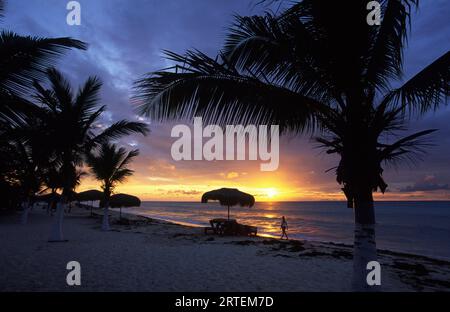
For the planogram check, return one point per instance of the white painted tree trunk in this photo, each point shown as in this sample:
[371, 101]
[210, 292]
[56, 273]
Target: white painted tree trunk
[56, 234]
[364, 251]
[105, 223]
[25, 212]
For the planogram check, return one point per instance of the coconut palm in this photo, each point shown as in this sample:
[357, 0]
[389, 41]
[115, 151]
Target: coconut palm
[74, 129]
[29, 176]
[24, 173]
[110, 167]
[26, 161]
[52, 180]
[316, 68]
[24, 59]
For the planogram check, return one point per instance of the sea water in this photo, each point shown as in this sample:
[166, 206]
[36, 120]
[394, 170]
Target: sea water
[414, 227]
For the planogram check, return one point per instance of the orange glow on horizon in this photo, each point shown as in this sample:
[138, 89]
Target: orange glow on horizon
[168, 182]
[277, 193]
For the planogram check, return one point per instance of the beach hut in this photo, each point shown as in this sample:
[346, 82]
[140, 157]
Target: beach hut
[229, 197]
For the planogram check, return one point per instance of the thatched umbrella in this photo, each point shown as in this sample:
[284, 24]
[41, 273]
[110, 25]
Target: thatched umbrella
[90, 195]
[229, 197]
[123, 200]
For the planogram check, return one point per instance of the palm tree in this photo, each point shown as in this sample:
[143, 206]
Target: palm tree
[24, 59]
[24, 173]
[29, 171]
[110, 167]
[316, 68]
[52, 180]
[73, 130]
[23, 139]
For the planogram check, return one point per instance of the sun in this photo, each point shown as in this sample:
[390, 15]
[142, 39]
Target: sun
[271, 193]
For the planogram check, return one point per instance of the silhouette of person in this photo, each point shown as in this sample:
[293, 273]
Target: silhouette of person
[284, 227]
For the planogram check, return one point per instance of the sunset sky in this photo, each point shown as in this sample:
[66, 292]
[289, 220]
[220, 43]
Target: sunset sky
[125, 41]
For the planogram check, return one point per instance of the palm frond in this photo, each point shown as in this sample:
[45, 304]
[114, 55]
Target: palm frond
[341, 59]
[24, 59]
[409, 148]
[121, 175]
[45, 97]
[204, 87]
[386, 120]
[119, 129]
[427, 90]
[333, 145]
[14, 109]
[61, 89]
[90, 120]
[128, 158]
[109, 164]
[388, 42]
[280, 50]
[88, 97]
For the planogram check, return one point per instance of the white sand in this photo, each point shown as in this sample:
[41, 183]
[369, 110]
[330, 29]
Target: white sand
[166, 257]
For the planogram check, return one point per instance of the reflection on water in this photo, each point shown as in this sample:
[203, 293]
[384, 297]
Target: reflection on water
[417, 227]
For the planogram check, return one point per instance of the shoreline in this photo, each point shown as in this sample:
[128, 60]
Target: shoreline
[333, 243]
[419, 228]
[145, 254]
[294, 241]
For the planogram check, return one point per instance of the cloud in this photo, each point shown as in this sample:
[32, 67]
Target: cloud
[184, 192]
[159, 179]
[232, 175]
[428, 184]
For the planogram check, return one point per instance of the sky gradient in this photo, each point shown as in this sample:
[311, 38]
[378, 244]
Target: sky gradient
[125, 41]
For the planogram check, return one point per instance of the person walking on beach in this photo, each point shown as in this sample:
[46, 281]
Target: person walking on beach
[284, 228]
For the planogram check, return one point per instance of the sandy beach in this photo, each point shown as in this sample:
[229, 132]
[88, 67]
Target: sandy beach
[151, 255]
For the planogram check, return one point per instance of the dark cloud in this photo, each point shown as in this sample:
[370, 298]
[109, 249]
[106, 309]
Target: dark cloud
[425, 187]
[428, 184]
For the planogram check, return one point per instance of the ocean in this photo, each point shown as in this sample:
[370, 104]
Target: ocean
[421, 228]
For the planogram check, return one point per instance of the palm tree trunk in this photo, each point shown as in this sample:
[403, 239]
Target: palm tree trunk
[56, 234]
[50, 202]
[25, 212]
[364, 249]
[105, 223]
